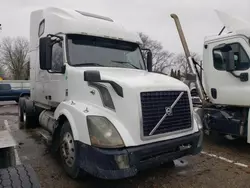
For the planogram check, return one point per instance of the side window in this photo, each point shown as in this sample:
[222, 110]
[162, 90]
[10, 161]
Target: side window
[57, 57]
[241, 59]
[41, 28]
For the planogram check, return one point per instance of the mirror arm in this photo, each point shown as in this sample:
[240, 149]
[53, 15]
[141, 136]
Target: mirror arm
[63, 70]
[56, 36]
[54, 41]
[146, 49]
[235, 75]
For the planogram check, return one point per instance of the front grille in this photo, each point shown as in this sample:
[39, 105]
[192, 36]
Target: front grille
[153, 109]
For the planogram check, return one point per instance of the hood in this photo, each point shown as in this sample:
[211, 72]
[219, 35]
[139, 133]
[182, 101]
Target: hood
[127, 115]
[132, 78]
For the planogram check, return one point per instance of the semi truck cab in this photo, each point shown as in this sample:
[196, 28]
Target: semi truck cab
[108, 114]
[223, 83]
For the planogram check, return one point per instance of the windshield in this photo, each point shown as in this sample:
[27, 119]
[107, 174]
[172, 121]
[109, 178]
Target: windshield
[96, 51]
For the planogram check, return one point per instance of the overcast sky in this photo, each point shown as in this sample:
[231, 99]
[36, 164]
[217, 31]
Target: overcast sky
[149, 16]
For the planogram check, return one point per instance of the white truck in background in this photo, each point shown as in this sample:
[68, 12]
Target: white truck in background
[223, 86]
[107, 113]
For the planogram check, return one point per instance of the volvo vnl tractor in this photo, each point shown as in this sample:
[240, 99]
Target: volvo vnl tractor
[107, 113]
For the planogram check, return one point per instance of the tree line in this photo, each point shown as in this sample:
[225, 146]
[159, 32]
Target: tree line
[14, 58]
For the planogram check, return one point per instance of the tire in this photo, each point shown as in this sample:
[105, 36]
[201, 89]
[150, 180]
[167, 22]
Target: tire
[30, 118]
[20, 112]
[70, 166]
[19, 176]
[25, 96]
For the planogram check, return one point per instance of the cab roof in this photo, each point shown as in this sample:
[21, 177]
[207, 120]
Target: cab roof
[61, 20]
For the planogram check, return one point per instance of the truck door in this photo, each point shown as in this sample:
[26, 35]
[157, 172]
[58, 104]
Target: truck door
[225, 87]
[55, 88]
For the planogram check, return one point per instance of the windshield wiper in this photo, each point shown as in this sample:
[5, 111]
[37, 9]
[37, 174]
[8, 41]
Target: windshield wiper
[125, 62]
[89, 64]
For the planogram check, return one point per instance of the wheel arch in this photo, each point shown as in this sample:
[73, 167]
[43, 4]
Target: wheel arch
[65, 115]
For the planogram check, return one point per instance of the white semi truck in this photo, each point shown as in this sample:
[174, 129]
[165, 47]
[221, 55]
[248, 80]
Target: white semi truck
[107, 113]
[223, 86]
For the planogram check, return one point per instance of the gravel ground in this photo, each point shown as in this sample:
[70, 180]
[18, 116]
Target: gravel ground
[199, 171]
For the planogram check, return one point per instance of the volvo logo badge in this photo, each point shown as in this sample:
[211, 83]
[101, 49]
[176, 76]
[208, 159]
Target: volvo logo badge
[168, 112]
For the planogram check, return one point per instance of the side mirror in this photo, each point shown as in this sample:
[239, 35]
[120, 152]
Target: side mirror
[45, 53]
[92, 76]
[149, 61]
[230, 65]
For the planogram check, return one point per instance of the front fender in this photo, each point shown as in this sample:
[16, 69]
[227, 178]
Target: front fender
[77, 119]
[76, 113]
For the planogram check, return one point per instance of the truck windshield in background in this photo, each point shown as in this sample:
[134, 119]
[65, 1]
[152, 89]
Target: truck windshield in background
[96, 51]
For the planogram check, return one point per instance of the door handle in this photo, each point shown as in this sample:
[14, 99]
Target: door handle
[48, 97]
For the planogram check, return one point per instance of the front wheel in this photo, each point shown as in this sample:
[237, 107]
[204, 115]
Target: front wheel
[68, 152]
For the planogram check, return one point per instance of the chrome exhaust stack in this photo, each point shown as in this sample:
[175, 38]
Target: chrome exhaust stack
[189, 58]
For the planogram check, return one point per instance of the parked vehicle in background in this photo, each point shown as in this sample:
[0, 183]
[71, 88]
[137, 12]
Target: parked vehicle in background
[105, 111]
[12, 90]
[223, 87]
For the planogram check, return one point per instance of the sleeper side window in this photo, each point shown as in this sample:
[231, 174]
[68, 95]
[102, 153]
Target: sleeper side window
[41, 28]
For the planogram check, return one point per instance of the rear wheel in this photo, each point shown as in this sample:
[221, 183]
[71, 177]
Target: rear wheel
[22, 96]
[20, 112]
[68, 152]
[29, 115]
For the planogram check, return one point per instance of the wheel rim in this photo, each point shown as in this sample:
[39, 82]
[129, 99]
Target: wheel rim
[68, 149]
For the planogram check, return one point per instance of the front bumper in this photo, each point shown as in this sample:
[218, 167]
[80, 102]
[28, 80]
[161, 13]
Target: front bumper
[102, 163]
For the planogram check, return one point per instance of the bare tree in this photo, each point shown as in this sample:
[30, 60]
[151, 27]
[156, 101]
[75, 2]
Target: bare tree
[162, 59]
[14, 56]
[181, 64]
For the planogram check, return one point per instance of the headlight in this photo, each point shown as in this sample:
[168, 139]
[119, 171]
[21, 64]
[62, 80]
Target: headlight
[197, 119]
[103, 133]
